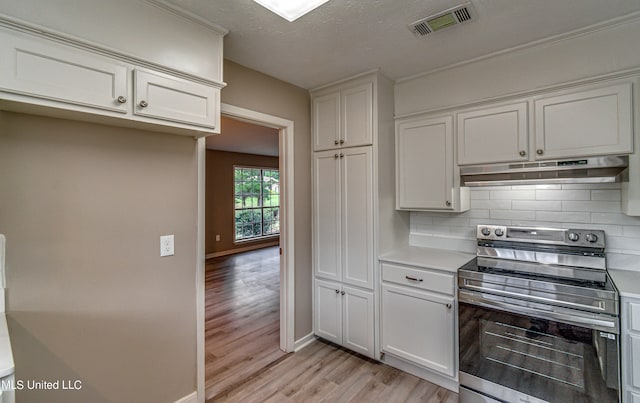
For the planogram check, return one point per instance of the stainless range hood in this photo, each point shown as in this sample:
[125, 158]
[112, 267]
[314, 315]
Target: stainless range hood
[583, 170]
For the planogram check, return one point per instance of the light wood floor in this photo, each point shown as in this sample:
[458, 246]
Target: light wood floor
[243, 360]
[242, 322]
[323, 372]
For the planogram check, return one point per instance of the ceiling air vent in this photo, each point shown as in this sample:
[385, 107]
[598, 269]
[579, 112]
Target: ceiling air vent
[448, 18]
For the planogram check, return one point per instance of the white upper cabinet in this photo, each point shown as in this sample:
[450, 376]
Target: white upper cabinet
[59, 72]
[425, 167]
[161, 96]
[592, 121]
[343, 117]
[326, 121]
[53, 75]
[493, 134]
[357, 115]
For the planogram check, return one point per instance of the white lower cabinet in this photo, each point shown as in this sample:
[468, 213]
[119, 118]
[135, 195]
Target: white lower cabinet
[419, 326]
[418, 317]
[630, 345]
[344, 315]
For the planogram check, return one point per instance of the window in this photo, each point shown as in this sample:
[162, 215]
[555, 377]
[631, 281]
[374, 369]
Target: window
[257, 202]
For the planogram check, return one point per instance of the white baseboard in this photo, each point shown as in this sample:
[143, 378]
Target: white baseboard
[190, 398]
[243, 249]
[303, 342]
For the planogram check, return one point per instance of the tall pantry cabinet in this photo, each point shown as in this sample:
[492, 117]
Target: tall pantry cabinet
[353, 196]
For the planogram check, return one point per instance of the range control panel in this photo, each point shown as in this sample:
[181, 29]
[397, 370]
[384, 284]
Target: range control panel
[570, 237]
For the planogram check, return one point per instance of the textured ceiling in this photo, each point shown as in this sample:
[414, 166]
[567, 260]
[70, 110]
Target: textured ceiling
[346, 37]
[242, 137]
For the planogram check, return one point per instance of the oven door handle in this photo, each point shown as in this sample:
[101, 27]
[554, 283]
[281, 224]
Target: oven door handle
[515, 306]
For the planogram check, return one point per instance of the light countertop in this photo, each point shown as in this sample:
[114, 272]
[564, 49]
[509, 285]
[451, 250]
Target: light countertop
[627, 282]
[428, 258]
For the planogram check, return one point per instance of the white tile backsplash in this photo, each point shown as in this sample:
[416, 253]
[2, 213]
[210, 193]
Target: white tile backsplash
[594, 206]
[581, 194]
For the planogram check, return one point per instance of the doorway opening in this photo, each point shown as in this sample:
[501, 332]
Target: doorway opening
[250, 251]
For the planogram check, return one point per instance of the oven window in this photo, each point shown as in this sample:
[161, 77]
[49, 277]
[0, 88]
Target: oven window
[549, 360]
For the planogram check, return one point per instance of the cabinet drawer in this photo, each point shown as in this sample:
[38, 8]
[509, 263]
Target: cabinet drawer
[424, 279]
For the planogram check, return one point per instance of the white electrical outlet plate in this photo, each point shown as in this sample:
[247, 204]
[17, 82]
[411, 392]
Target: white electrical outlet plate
[166, 245]
[217, 238]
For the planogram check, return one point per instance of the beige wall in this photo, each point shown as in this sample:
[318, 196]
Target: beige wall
[220, 198]
[255, 91]
[89, 298]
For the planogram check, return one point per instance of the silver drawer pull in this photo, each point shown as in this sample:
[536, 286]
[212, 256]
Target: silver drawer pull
[413, 278]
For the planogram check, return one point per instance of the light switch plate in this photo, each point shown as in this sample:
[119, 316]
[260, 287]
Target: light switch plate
[166, 245]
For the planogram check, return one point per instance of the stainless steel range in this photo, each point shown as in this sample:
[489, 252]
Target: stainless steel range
[538, 318]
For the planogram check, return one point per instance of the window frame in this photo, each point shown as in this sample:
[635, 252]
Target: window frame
[261, 208]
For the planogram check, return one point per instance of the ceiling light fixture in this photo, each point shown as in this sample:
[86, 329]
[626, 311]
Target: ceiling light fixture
[291, 10]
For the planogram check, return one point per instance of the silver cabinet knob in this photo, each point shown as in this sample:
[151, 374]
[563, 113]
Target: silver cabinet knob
[122, 99]
[335, 156]
[341, 155]
[143, 104]
[539, 151]
[342, 293]
[448, 306]
[341, 141]
[523, 153]
[335, 142]
[337, 291]
[448, 203]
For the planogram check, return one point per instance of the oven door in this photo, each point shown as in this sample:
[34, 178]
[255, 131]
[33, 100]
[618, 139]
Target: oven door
[517, 351]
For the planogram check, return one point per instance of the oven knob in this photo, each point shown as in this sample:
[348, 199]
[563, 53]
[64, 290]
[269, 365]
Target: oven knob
[486, 231]
[573, 236]
[498, 232]
[591, 238]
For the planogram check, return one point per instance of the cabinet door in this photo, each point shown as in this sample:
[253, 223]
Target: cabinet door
[424, 164]
[634, 361]
[593, 122]
[419, 327]
[326, 121]
[170, 98]
[357, 320]
[357, 216]
[327, 215]
[328, 311]
[497, 134]
[357, 115]
[57, 72]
